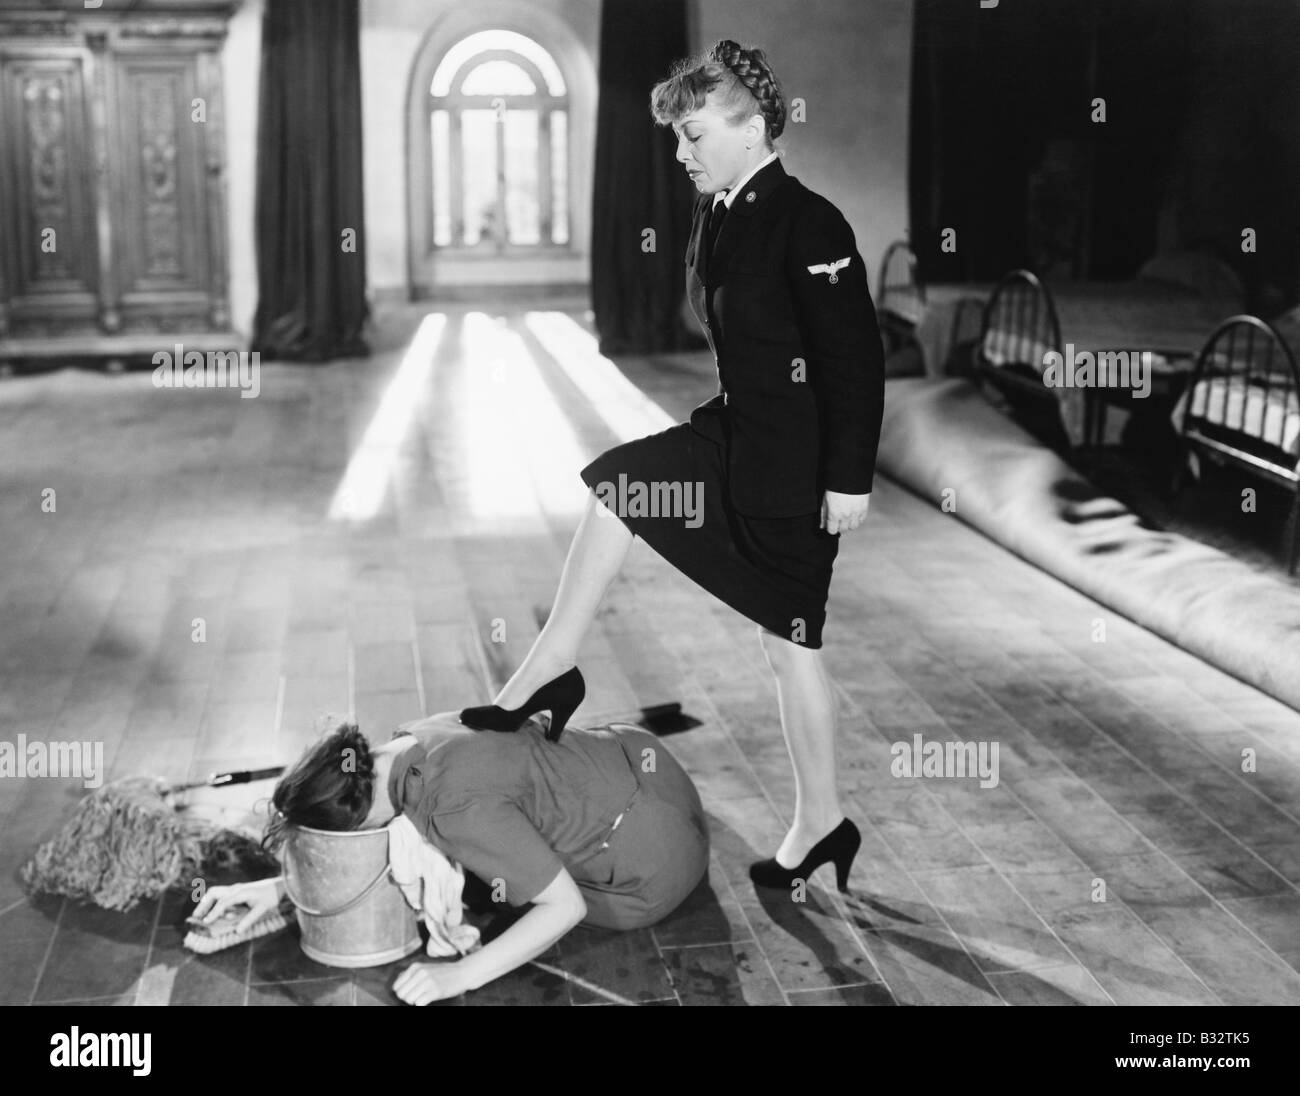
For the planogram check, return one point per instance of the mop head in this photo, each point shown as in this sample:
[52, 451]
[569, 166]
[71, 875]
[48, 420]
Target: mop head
[126, 842]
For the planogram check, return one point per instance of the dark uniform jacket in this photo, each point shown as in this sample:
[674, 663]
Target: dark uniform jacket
[784, 303]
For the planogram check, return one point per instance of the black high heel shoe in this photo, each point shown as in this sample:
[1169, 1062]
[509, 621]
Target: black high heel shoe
[560, 696]
[840, 846]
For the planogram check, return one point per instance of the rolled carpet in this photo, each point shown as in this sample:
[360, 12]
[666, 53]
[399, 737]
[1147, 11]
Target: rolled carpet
[941, 434]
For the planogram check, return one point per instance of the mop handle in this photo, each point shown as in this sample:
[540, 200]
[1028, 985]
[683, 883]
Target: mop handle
[591, 987]
[220, 780]
[217, 780]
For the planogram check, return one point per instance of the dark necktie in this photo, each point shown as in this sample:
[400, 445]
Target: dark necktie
[717, 215]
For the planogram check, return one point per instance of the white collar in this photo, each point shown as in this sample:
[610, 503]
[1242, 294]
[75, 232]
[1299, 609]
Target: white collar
[729, 196]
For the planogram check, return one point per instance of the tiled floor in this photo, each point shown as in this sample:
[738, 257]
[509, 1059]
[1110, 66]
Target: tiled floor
[1124, 856]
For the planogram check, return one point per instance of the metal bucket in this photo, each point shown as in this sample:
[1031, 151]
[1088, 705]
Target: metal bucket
[350, 911]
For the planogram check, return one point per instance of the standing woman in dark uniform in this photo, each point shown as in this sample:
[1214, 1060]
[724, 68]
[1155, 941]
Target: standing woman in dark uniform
[784, 454]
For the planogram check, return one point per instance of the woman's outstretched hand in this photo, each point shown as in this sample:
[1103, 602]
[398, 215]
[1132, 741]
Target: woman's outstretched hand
[843, 512]
[422, 983]
[261, 897]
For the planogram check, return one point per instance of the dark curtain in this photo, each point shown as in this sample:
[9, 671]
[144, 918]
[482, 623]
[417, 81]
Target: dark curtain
[311, 288]
[636, 293]
[1003, 148]
[1241, 150]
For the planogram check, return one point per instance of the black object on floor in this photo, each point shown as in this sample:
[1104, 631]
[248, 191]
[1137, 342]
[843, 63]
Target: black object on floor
[666, 719]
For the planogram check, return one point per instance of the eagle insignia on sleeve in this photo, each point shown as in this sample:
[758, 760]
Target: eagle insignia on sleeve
[831, 268]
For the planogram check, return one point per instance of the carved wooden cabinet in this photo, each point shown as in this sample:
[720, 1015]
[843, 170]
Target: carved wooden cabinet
[112, 206]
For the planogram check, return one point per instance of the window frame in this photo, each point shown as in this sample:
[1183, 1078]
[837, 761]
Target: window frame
[454, 103]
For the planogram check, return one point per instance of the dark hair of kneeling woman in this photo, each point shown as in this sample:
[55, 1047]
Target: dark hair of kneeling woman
[331, 787]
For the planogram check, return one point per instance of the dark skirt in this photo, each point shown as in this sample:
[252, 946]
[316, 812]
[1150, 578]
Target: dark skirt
[775, 571]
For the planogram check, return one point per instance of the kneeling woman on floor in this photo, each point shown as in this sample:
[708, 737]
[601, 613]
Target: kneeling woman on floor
[603, 827]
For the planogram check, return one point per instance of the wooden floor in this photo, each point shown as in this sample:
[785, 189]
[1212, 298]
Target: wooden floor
[1120, 760]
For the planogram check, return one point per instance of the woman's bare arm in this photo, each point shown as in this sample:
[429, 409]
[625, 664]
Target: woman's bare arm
[555, 911]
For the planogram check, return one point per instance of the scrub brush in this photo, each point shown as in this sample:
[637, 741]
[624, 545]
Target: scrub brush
[205, 938]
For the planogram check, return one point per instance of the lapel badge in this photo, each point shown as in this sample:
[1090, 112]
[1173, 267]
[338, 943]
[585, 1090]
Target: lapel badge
[750, 196]
[832, 268]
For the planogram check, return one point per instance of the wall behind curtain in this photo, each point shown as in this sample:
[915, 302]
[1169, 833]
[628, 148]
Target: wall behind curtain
[991, 89]
[850, 63]
[1239, 159]
[398, 40]
[849, 59]
[640, 191]
[239, 64]
[1199, 142]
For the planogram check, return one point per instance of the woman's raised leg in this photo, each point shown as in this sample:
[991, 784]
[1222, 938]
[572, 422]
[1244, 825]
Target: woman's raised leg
[808, 723]
[595, 556]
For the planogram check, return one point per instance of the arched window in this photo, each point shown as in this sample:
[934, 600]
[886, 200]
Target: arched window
[499, 129]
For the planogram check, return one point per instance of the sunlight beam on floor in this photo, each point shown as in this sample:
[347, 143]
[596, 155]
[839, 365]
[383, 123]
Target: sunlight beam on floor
[521, 450]
[360, 493]
[628, 411]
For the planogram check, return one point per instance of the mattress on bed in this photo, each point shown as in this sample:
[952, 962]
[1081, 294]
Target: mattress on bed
[1270, 415]
[1002, 346]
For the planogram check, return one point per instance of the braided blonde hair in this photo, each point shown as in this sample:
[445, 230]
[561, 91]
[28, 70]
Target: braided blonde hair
[744, 80]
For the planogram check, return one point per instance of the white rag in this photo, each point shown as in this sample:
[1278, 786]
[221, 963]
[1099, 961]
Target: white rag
[432, 885]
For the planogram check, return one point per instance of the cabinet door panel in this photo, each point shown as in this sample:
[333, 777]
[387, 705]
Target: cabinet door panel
[46, 193]
[160, 229]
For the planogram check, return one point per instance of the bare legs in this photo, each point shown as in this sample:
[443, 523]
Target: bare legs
[803, 688]
[808, 723]
[596, 555]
